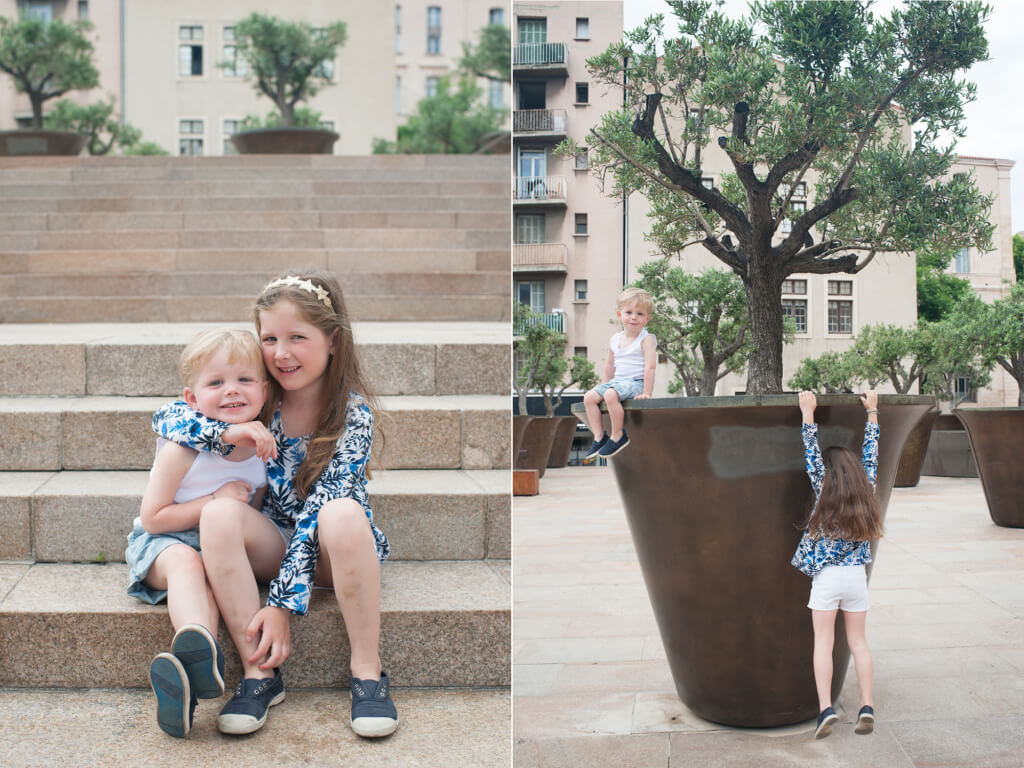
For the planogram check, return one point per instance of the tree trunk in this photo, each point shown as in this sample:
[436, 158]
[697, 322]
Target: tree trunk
[287, 115]
[36, 100]
[763, 282]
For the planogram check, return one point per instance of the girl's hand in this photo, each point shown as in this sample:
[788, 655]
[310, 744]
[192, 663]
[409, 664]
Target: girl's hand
[236, 489]
[252, 433]
[808, 402]
[271, 623]
[870, 399]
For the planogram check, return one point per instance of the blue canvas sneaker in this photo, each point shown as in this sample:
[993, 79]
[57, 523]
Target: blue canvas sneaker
[597, 446]
[200, 655]
[826, 720]
[614, 446]
[175, 704]
[373, 713]
[865, 720]
[246, 711]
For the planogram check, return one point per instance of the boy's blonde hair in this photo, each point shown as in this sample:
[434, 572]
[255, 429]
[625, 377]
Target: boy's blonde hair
[239, 343]
[637, 296]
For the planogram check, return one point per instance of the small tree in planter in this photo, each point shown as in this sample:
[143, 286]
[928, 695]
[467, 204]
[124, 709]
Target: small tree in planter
[891, 352]
[958, 368]
[700, 322]
[999, 328]
[830, 372]
[542, 365]
[101, 127]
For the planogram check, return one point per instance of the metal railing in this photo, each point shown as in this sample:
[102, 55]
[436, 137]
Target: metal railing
[540, 188]
[540, 55]
[540, 255]
[553, 320]
[537, 120]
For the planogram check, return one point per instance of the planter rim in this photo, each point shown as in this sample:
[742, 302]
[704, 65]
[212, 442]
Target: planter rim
[991, 409]
[739, 401]
[281, 128]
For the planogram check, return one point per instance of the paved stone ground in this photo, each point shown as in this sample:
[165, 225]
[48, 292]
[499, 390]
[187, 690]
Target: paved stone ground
[946, 628]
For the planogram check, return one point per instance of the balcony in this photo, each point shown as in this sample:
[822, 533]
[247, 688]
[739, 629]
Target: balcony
[541, 59]
[540, 257]
[552, 320]
[540, 123]
[539, 191]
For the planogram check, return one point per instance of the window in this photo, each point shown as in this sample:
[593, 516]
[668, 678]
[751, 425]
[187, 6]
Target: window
[840, 288]
[581, 224]
[530, 228]
[434, 29]
[234, 65]
[532, 95]
[432, 82]
[398, 95]
[840, 317]
[41, 11]
[798, 287]
[230, 128]
[707, 182]
[190, 51]
[963, 261]
[962, 390]
[582, 93]
[398, 29]
[327, 125]
[582, 28]
[190, 141]
[496, 94]
[83, 10]
[797, 208]
[799, 192]
[496, 16]
[796, 310]
[531, 294]
[533, 31]
[580, 291]
[581, 351]
[583, 159]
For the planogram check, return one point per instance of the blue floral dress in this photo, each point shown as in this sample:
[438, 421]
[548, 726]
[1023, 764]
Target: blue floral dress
[813, 554]
[344, 477]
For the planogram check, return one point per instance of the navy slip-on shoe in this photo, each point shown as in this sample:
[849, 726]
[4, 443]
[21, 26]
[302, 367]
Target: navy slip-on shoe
[826, 720]
[373, 712]
[246, 711]
[612, 447]
[175, 704]
[596, 446]
[200, 655]
[865, 720]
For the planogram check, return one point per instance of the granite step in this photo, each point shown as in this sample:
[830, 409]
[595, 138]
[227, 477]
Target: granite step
[442, 624]
[141, 359]
[114, 432]
[477, 186]
[261, 161]
[79, 517]
[439, 727]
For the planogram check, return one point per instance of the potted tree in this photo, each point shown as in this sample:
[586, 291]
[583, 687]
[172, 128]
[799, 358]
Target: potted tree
[799, 93]
[289, 62]
[46, 60]
[101, 128]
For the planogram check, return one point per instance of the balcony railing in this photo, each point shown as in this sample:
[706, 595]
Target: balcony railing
[539, 188]
[540, 55]
[540, 257]
[553, 320]
[539, 121]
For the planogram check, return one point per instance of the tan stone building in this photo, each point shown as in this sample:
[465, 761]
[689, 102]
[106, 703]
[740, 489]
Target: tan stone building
[160, 62]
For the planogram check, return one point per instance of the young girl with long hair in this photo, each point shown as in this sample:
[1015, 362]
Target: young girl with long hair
[833, 551]
[316, 526]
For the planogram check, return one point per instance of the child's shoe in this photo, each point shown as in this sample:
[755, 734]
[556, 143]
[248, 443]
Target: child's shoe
[175, 704]
[246, 711]
[373, 712]
[614, 446]
[826, 720]
[200, 655]
[865, 720]
[597, 446]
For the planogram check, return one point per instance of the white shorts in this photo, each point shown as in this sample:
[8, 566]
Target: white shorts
[839, 586]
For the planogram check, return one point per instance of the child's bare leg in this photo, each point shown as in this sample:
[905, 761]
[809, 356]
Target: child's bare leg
[239, 545]
[179, 569]
[857, 640]
[592, 405]
[824, 638]
[349, 563]
[615, 413]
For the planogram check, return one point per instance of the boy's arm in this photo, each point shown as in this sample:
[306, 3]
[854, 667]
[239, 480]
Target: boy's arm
[649, 346]
[159, 513]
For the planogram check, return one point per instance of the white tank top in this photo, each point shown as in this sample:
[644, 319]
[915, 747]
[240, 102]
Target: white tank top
[210, 471]
[629, 362]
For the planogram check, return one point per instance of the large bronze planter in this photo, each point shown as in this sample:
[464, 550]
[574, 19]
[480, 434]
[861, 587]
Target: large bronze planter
[30, 141]
[285, 141]
[518, 431]
[908, 473]
[997, 439]
[537, 440]
[949, 451]
[561, 446]
[716, 494]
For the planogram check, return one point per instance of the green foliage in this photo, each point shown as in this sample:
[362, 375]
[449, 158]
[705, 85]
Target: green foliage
[46, 59]
[98, 123]
[891, 352]
[700, 322]
[999, 329]
[1018, 256]
[938, 292]
[541, 364]
[829, 372]
[958, 352]
[302, 117]
[796, 92]
[491, 56]
[446, 123]
[287, 61]
[145, 148]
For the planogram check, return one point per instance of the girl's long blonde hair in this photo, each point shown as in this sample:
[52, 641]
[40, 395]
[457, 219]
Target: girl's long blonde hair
[847, 506]
[343, 374]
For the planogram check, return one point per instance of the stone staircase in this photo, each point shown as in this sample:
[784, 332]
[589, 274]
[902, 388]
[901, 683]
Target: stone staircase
[125, 261]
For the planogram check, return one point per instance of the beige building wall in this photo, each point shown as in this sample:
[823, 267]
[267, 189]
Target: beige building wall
[580, 262]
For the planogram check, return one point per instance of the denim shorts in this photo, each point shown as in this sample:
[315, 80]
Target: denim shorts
[627, 388]
[143, 549]
[839, 586]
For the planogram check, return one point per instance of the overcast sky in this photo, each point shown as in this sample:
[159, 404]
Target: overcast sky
[995, 121]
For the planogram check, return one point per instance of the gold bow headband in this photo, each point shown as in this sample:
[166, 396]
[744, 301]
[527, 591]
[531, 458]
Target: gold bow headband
[306, 285]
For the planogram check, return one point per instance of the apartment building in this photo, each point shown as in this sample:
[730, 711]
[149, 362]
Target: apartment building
[161, 63]
[569, 248]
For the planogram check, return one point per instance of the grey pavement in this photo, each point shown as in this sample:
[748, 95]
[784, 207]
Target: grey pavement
[946, 629]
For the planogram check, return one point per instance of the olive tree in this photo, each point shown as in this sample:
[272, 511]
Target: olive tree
[541, 364]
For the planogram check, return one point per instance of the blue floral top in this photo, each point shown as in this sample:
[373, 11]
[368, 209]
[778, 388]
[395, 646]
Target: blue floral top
[813, 554]
[344, 477]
